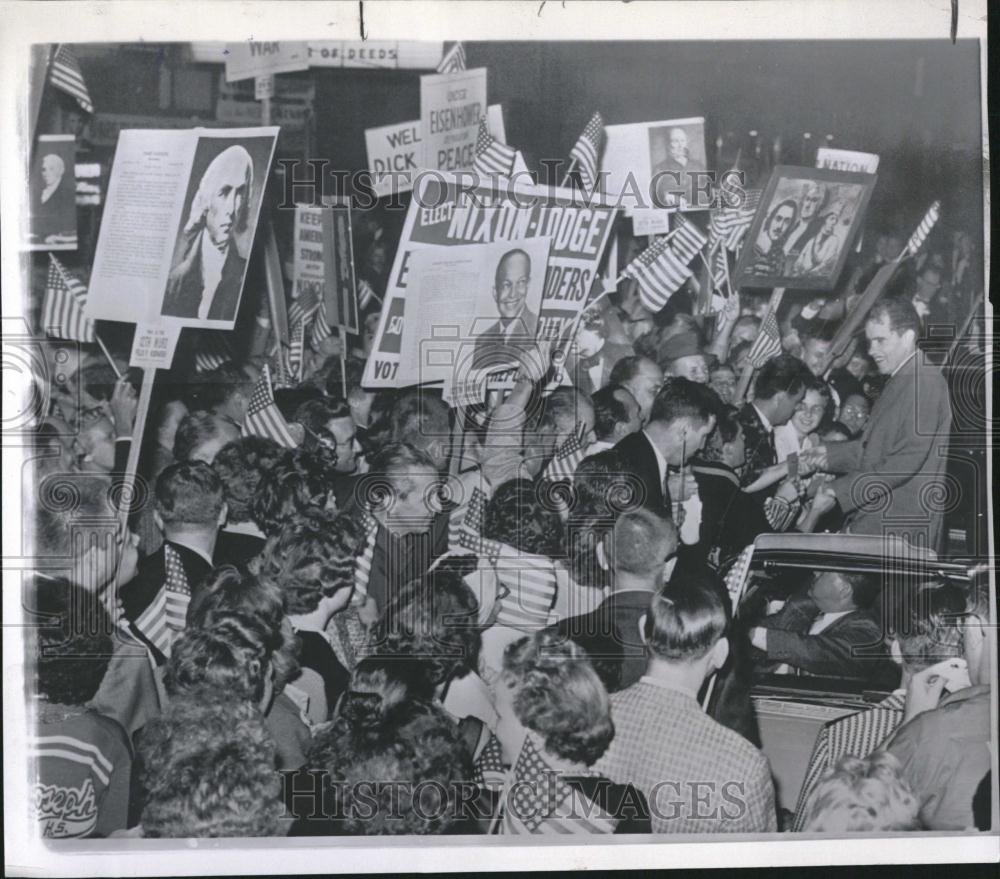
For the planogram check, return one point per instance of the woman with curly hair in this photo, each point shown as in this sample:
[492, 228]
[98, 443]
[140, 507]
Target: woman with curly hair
[311, 562]
[555, 723]
[209, 771]
[393, 762]
[297, 484]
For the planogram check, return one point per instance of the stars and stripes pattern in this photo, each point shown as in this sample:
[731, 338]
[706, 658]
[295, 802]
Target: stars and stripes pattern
[922, 231]
[531, 588]
[687, 239]
[488, 770]
[658, 272]
[492, 157]
[63, 306]
[565, 461]
[767, 344]
[737, 575]
[321, 328]
[263, 416]
[296, 350]
[214, 351]
[65, 74]
[166, 617]
[303, 307]
[586, 151]
[729, 224]
[453, 60]
[719, 265]
[363, 565]
[366, 295]
[540, 802]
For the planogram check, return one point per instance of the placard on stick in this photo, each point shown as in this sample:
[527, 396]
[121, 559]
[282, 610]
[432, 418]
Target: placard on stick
[338, 261]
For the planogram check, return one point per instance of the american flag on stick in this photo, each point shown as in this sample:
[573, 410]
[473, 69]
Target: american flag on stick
[304, 307]
[263, 416]
[366, 295]
[492, 157]
[658, 272]
[65, 74]
[321, 328]
[767, 344]
[212, 352]
[565, 461]
[63, 306]
[166, 617]
[729, 224]
[586, 152]
[687, 239]
[453, 60]
[296, 349]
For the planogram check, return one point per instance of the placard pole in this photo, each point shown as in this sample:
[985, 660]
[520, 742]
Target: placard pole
[132, 466]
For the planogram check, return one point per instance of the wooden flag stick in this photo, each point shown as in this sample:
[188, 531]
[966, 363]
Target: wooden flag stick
[748, 370]
[343, 362]
[110, 359]
[128, 492]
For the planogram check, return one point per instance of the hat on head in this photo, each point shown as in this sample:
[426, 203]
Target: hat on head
[681, 345]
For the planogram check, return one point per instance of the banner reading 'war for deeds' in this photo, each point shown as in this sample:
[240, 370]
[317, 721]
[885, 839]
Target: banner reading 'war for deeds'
[448, 211]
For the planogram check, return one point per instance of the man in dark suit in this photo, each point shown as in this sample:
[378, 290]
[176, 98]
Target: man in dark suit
[829, 630]
[500, 342]
[639, 547]
[207, 274]
[189, 510]
[779, 388]
[683, 415]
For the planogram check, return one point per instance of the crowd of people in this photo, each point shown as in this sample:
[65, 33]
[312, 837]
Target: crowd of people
[504, 619]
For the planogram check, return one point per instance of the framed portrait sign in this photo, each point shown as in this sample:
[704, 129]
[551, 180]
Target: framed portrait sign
[803, 228]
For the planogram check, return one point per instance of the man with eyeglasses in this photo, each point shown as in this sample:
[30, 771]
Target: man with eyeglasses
[499, 342]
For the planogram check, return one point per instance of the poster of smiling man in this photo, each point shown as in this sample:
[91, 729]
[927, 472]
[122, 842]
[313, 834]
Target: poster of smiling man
[803, 228]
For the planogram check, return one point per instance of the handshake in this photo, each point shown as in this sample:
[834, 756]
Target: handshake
[813, 460]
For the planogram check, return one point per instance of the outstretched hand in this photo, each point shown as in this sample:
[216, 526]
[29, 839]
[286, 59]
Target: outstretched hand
[124, 403]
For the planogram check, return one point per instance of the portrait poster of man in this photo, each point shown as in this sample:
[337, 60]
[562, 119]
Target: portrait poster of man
[219, 219]
[180, 217]
[52, 181]
[655, 166]
[803, 228]
[476, 307]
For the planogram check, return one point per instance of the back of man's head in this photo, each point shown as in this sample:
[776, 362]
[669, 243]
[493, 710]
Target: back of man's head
[421, 419]
[189, 494]
[782, 373]
[642, 543]
[564, 408]
[864, 588]
[681, 398]
[611, 408]
[685, 621]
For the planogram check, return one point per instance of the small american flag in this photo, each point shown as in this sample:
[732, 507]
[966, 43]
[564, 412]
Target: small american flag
[263, 416]
[736, 577]
[720, 267]
[303, 308]
[767, 344]
[492, 157]
[366, 295]
[166, 616]
[321, 328]
[363, 565]
[531, 583]
[659, 273]
[565, 461]
[729, 224]
[686, 240]
[62, 309]
[212, 353]
[489, 770]
[586, 151]
[65, 75]
[923, 230]
[453, 60]
[540, 802]
[296, 352]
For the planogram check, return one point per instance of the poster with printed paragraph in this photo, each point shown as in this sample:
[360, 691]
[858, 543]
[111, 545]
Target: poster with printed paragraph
[180, 220]
[451, 105]
[445, 212]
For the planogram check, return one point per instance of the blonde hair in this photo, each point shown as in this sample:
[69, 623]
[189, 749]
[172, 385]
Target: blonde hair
[862, 796]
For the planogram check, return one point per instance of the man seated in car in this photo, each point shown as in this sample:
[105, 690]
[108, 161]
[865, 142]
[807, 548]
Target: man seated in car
[829, 630]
